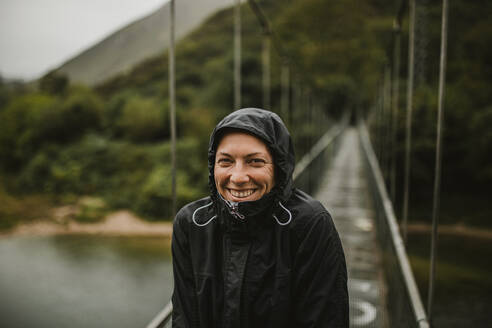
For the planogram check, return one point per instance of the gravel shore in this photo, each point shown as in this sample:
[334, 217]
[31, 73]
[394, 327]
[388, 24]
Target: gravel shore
[120, 223]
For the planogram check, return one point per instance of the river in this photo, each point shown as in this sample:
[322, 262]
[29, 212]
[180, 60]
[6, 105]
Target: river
[463, 281]
[83, 281]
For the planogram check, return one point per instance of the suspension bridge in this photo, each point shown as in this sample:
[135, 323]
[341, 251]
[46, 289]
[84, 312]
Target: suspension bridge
[382, 290]
[350, 177]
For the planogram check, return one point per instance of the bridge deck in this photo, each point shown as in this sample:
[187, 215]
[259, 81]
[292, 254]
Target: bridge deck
[344, 191]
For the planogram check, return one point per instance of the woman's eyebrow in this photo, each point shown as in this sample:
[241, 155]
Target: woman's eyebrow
[255, 154]
[258, 153]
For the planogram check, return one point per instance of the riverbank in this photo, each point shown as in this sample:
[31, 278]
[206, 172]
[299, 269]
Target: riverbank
[119, 223]
[452, 230]
[125, 223]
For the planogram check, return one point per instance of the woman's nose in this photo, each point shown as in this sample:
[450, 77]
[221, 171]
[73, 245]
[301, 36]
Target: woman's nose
[239, 175]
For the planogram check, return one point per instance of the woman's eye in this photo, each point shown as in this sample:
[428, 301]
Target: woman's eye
[256, 162]
[224, 161]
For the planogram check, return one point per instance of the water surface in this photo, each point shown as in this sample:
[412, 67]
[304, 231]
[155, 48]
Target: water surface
[463, 280]
[83, 281]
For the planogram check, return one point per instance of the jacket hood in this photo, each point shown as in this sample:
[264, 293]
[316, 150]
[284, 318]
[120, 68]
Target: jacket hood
[268, 127]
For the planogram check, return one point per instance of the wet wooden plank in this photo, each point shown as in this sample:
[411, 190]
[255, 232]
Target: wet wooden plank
[344, 192]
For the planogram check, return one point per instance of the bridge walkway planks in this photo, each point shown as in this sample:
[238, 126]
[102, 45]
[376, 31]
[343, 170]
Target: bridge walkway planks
[344, 192]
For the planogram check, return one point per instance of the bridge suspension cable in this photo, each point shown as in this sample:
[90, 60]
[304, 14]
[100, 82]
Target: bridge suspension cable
[285, 95]
[302, 96]
[237, 55]
[408, 130]
[387, 107]
[172, 103]
[437, 174]
[266, 71]
[395, 99]
[408, 140]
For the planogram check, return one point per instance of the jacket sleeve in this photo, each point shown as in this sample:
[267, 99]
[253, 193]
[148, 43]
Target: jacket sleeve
[320, 276]
[183, 299]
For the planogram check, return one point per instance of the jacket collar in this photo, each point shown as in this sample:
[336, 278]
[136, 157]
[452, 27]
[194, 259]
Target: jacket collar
[247, 215]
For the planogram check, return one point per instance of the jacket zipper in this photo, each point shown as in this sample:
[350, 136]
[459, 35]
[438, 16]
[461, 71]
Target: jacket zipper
[235, 210]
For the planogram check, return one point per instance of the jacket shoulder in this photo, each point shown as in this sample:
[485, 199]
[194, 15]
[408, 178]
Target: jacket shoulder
[307, 212]
[305, 205]
[185, 214]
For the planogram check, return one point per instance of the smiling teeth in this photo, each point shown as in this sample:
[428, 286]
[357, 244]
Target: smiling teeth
[242, 194]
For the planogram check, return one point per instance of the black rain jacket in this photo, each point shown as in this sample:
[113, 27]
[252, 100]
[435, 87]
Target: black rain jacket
[273, 262]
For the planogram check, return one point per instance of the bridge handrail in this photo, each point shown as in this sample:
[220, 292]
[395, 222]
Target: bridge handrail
[320, 146]
[420, 317]
[164, 317]
[316, 159]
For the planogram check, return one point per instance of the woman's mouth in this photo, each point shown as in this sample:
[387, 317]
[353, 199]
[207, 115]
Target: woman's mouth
[242, 193]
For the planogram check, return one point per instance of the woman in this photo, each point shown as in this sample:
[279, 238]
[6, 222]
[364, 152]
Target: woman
[257, 252]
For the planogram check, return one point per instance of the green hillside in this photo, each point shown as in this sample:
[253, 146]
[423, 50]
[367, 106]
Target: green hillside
[111, 141]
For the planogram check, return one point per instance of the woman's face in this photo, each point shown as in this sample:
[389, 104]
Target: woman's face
[243, 168]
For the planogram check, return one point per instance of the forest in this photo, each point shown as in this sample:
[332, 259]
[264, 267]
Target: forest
[61, 141]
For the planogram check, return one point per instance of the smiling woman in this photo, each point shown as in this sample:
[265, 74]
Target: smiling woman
[257, 252]
[243, 167]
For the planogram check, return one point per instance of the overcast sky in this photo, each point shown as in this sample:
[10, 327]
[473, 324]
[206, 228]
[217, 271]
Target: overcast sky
[38, 35]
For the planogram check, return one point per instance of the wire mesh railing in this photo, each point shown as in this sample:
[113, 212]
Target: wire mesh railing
[308, 171]
[405, 307]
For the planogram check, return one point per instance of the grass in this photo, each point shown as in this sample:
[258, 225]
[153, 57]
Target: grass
[91, 210]
[14, 210]
[18, 209]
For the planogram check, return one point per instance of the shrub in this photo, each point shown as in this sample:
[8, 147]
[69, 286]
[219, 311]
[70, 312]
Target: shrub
[54, 83]
[143, 120]
[22, 209]
[34, 120]
[22, 128]
[92, 210]
[155, 196]
[80, 112]
[126, 175]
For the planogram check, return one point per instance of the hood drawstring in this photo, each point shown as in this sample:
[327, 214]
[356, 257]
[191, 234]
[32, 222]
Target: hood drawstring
[234, 208]
[234, 211]
[209, 220]
[288, 212]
